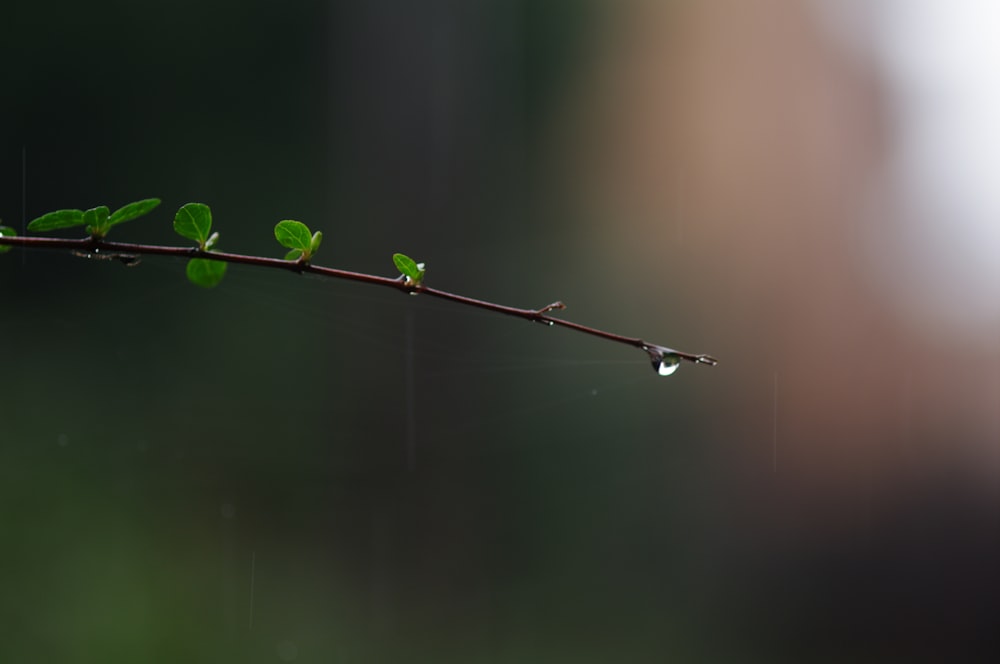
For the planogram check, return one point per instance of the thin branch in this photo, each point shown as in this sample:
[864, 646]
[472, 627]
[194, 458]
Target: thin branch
[128, 253]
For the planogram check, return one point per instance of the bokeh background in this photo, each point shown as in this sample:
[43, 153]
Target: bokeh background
[292, 469]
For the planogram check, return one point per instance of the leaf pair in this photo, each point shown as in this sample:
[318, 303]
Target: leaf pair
[194, 221]
[412, 271]
[98, 220]
[296, 236]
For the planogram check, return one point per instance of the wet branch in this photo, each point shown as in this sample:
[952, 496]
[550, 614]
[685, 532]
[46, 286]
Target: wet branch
[663, 358]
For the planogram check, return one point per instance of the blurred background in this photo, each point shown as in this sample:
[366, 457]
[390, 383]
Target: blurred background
[293, 469]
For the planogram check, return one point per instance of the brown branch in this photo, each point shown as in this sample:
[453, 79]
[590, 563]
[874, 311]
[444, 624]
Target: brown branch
[127, 253]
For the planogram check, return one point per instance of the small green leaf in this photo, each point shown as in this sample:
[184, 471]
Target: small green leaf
[96, 220]
[205, 273]
[133, 211]
[212, 240]
[317, 238]
[6, 231]
[293, 234]
[294, 255]
[56, 220]
[413, 271]
[194, 221]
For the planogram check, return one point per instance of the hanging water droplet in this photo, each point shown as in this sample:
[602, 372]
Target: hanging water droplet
[664, 362]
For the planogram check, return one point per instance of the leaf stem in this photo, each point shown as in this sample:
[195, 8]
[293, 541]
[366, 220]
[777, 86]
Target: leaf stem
[119, 249]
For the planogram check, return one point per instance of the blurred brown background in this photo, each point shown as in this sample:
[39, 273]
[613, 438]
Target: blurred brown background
[286, 469]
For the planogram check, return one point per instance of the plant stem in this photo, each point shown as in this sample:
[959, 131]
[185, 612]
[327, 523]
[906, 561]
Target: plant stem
[126, 251]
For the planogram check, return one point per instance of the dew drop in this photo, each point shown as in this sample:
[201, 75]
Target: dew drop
[665, 364]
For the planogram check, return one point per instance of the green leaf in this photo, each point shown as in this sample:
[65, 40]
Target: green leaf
[56, 220]
[293, 234]
[6, 231]
[133, 211]
[413, 271]
[96, 220]
[194, 221]
[317, 238]
[293, 255]
[205, 273]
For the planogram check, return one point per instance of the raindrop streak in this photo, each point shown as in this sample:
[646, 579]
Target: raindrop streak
[253, 565]
[409, 375]
[665, 364]
[774, 431]
[905, 408]
[287, 651]
[24, 198]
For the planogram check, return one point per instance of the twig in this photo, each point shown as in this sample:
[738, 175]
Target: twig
[127, 253]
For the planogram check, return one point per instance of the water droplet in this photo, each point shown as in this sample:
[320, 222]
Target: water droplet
[664, 364]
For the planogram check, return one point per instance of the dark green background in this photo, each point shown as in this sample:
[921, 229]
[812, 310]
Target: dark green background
[159, 442]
